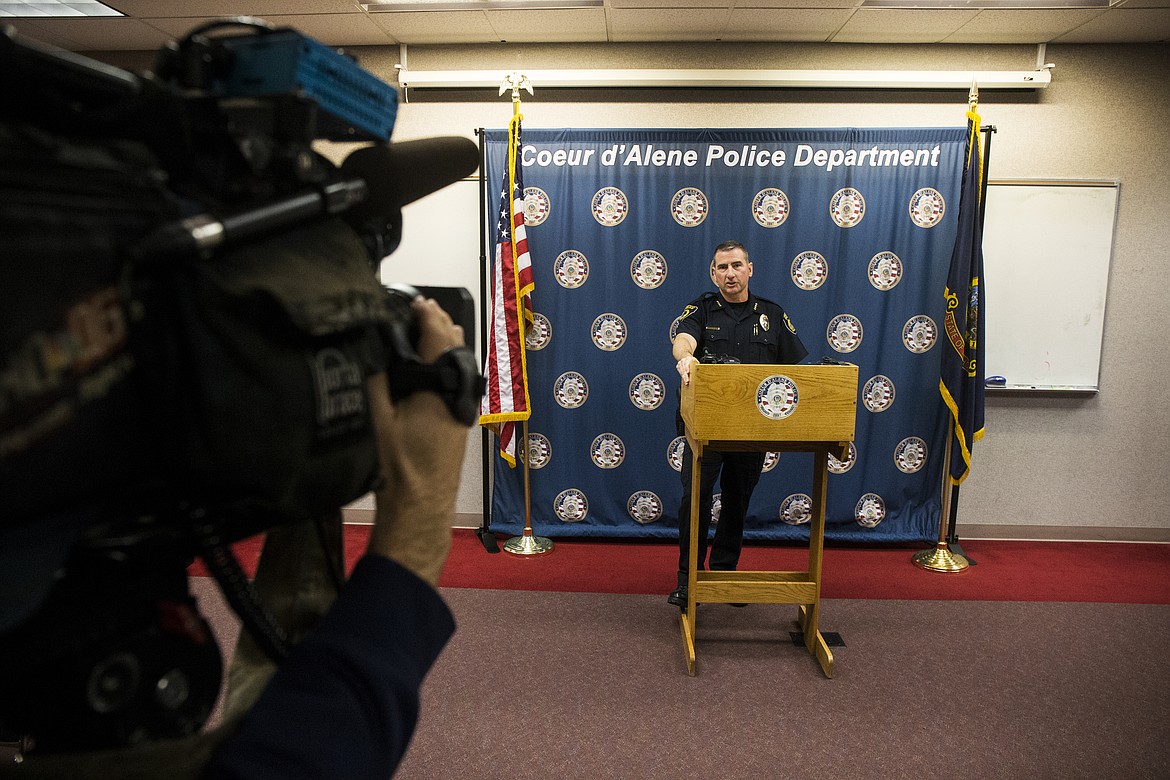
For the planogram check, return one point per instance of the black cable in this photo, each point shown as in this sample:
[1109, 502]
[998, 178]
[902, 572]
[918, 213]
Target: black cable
[240, 593]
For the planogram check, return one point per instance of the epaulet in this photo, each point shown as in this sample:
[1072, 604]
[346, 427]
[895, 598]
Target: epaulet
[707, 296]
[762, 299]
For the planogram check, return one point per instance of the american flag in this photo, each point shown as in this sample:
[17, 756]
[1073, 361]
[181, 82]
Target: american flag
[506, 399]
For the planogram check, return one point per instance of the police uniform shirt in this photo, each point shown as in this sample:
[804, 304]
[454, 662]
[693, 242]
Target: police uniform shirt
[756, 331]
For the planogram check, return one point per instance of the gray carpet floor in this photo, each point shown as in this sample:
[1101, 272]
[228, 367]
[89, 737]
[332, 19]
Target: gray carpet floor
[560, 686]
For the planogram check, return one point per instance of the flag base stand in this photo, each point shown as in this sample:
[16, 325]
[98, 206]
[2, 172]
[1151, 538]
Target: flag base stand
[940, 559]
[528, 545]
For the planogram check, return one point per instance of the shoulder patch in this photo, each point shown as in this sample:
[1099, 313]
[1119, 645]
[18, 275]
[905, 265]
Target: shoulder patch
[788, 323]
[688, 310]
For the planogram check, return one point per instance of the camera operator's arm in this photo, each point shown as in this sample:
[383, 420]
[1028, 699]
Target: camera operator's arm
[421, 448]
[345, 703]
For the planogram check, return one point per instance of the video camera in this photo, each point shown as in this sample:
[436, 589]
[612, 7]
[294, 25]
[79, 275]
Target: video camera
[189, 309]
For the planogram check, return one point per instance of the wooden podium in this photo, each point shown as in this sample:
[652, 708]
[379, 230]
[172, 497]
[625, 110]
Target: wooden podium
[768, 408]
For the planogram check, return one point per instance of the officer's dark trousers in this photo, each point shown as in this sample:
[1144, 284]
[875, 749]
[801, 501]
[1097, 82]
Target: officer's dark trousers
[740, 473]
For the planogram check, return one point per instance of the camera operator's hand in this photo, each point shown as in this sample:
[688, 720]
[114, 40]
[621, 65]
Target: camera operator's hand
[421, 449]
[437, 332]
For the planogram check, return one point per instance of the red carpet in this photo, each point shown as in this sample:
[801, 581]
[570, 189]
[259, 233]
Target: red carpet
[1004, 571]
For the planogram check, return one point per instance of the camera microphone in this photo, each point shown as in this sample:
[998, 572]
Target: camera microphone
[377, 182]
[401, 173]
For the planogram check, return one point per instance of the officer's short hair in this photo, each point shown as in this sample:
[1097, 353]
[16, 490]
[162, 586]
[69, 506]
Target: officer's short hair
[727, 246]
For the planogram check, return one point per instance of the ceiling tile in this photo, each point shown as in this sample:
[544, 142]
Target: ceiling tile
[222, 8]
[748, 4]
[353, 29]
[1123, 25]
[901, 25]
[553, 26]
[776, 24]
[437, 27]
[98, 33]
[30, 29]
[1021, 26]
[149, 23]
[701, 24]
[682, 6]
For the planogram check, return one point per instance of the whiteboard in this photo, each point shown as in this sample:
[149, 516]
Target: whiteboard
[1046, 251]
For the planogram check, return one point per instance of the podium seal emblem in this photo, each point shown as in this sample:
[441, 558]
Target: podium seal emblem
[777, 397]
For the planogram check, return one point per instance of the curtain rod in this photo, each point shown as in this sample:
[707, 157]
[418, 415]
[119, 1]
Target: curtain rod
[730, 79]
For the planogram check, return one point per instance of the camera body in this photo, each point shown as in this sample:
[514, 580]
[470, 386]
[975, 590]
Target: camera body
[189, 320]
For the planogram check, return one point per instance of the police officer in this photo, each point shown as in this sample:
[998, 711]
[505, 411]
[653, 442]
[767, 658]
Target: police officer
[733, 326]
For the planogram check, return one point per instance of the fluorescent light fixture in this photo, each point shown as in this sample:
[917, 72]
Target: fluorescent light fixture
[732, 79]
[53, 8]
[400, 6]
[1017, 5]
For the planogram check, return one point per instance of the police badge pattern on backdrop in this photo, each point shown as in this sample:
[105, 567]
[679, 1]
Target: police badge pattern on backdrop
[850, 230]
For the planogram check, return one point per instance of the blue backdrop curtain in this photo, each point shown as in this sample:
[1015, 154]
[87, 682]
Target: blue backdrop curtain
[850, 230]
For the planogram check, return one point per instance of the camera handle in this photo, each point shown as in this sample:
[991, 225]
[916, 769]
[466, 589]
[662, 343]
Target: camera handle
[454, 376]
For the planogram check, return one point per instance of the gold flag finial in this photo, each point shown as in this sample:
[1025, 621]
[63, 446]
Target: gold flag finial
[515, 81]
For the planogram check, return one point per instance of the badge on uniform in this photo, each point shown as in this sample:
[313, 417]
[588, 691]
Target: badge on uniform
[764, 322]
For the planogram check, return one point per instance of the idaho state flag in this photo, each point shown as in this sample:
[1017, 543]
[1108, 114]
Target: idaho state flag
[506, 398]
[961, 381]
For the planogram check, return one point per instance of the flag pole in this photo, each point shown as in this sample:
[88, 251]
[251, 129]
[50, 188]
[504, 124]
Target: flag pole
[527, 543]
[940, 558]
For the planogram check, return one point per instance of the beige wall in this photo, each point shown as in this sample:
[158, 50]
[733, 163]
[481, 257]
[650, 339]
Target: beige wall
[1048, 467]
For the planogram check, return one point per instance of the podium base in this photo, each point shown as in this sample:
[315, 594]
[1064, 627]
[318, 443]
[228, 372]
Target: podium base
[940, 559]
[528, 545]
